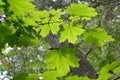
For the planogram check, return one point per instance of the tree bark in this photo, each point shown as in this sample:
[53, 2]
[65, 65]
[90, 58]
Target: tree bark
[85, 68]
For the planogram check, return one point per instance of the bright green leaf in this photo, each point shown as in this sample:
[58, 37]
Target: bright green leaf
[35, 18]
[49, 75]
[1, 6]
[75, 77]
[72, 78]
[97, 36]
[70, 33]
[56, 60]
[21, 7]
[61, 60]
[45, 29]
[82, 10]
[104, 72]
[117, 70]
[1, 2]
[51, 23]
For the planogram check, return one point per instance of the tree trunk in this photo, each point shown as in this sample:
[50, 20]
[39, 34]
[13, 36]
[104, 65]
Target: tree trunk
[85, 68]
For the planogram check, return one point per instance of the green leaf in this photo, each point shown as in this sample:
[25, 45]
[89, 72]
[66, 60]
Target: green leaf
[35, 18]
[104, 72]
[117, 70]
[1, 6]
[51, 23]
[27, 40]
[82, 10]
[70, 33]
[20, 76]
[72, 78]
[5, 32]
[61, 60]
[45, 29]
[75, 77]
[32, 77]
[97, 36]
[49, 75]
[21, 7]
[1, 2]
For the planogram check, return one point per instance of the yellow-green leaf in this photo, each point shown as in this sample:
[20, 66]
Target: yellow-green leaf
[61, 60]
[21, 7]
[82, 10]
[70, 33]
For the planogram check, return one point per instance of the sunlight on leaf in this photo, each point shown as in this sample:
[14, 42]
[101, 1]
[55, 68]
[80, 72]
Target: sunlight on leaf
[21, 7]
[61, 60]
[70, 33]
[51, 23]
[49, 75]
[82, 10]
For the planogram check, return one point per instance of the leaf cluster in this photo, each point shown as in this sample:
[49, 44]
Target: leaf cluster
[24, 25]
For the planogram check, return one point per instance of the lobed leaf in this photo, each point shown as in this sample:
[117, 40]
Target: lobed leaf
[70, 33]
[49, 75]
[51, 23]
[20, 9]
[97, 37]
[61, 60]
[82, 10]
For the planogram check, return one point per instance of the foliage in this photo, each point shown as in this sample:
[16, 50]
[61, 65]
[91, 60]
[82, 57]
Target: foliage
[29, 59]
[53, 21]
[25, 26]
[83, 11]
[96, 37]
[61, 60]
[71, 33]
[109, 71]
[26, 76]
[20, 76]
[77, 78]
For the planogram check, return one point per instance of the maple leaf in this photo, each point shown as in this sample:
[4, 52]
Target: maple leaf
[61, 60]
[82, 10]
[70, 33]
[49, 75]
[53, 22]
[97, 36]
[21, 7]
